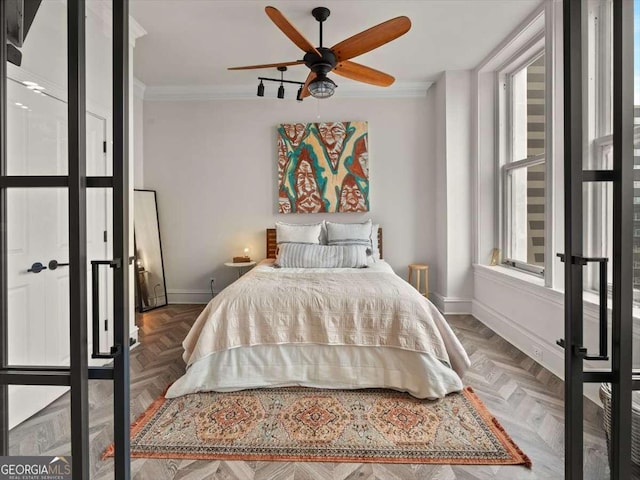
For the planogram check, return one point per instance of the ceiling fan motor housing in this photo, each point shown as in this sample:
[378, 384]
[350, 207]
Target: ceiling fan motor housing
[320, 65]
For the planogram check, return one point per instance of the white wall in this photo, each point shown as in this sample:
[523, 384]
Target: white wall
[439, 91]
[459, 284]
[138, 142]
[453, 288]
[213, 164]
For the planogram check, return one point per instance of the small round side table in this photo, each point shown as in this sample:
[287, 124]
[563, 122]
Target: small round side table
[418, 269]
[240, 266]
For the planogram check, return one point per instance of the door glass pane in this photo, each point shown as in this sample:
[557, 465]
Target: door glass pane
[29, 434]
[98, 157]
[99, 86]
[597, 233]
[37, 132]
[99, 247]
[599, 85]
[37, 92]
[38, 295]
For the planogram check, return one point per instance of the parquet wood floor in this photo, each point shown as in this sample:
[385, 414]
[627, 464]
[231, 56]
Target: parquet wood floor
[526, 399]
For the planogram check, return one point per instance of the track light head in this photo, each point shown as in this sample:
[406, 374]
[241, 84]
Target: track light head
[261, 89]
[281, 91]
[299, 95]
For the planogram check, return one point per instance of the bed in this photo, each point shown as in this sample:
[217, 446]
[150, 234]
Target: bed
[321, 327]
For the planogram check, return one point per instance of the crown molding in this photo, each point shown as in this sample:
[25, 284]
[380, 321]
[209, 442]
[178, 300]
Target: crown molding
[135, 31]
[138, 88]
[179, 93]
[103, 12]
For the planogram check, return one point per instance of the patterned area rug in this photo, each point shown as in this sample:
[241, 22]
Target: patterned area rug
[304, 424]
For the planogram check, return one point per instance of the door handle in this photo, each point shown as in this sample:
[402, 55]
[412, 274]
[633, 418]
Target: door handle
[95, 300]
[604, 294]
[53, 264]
[36, 268]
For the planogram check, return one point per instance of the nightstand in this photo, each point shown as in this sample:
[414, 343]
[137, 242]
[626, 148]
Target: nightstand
[241, 266]
[418, 269]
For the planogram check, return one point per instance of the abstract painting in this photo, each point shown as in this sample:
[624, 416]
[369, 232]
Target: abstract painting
[323, 167]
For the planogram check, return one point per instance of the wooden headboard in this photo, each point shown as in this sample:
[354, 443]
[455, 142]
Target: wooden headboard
[272, 242]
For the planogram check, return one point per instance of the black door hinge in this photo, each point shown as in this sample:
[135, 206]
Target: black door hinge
[106, 325]
[104, 147]
[104, 236]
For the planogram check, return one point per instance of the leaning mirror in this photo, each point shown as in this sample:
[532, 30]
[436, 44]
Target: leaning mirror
[151, 289]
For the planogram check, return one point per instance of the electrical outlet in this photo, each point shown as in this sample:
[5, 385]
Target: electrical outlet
[212, 281]
[537, 353]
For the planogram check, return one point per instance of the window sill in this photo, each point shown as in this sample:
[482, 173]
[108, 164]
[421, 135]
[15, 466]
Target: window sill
[527, 281]
[502, 271]
[535, 286]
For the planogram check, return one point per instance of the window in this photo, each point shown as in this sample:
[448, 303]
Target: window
[523, 171]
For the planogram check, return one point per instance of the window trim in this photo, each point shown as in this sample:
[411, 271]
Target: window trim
[524, 57]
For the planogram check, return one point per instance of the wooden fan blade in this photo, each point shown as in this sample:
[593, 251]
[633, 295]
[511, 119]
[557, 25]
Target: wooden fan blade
[267, 65]
[290, 31]
[305, 88]
[374, 37]
[362, 73]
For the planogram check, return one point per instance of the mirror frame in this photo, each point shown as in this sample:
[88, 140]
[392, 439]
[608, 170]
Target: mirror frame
[139, 306]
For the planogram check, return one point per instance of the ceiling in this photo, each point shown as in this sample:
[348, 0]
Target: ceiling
[192, 42]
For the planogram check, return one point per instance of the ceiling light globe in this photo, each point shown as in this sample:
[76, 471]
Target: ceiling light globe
[322, 87]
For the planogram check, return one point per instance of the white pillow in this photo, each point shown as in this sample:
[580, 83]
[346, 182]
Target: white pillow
[304, 255]
[298, 233]
[350, 234]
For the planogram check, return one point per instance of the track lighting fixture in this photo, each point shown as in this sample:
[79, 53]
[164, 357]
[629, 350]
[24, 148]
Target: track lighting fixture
[282, 81]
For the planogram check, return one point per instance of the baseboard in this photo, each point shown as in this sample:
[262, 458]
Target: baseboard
[133, 333]
[552, 357]
[189, 296]
[451, 305]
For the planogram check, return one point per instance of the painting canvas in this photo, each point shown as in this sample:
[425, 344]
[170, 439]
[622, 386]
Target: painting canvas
[323, 167]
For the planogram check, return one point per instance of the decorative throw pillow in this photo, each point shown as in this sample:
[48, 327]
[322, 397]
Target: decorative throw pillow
[298, 233]
[350, 234]
[304, 255]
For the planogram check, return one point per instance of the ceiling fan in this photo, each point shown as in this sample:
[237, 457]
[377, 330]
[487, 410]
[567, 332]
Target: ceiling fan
[321, 60]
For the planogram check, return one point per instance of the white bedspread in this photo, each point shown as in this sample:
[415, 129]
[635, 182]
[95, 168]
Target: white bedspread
[340, 328]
